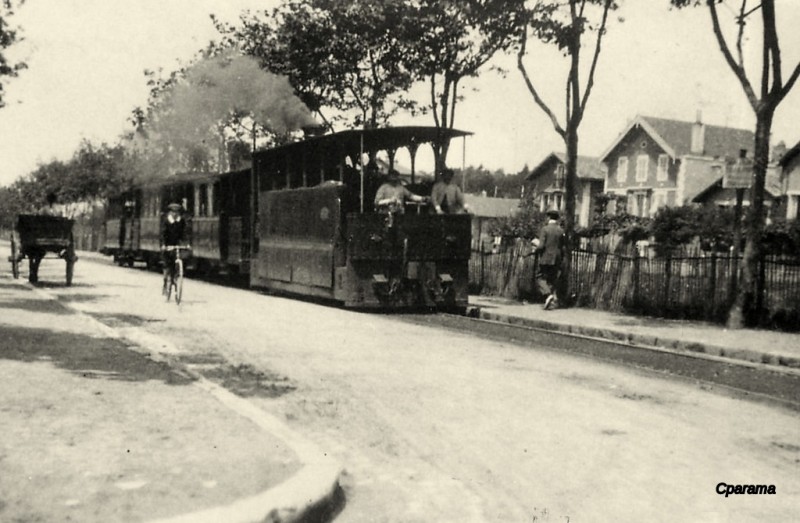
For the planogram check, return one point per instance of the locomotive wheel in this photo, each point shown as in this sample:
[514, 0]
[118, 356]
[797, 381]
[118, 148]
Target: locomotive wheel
[14, 259]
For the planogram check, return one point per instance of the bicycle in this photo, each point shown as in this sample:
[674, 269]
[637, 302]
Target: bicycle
[173, 280]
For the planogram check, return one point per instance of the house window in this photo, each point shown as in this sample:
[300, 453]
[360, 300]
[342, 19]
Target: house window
[643, 205]
[559, 201]
[560, 176]
[642, 163]
[545, 202]
[639, 204]
[662, 172]
[659, 201]
[792, 205]
[622, 169]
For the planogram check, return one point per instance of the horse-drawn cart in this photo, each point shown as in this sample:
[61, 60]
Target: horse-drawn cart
[37, 236]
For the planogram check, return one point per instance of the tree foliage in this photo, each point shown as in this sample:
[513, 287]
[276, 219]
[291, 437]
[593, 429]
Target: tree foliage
[94, 173]
[9, 35]
[347, 61]
[353, 63]
[526, 223]
[454, 40]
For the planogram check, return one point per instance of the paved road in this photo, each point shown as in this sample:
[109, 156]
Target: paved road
[435, 425]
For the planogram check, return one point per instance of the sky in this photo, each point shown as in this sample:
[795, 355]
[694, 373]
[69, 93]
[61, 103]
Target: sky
[86, 60]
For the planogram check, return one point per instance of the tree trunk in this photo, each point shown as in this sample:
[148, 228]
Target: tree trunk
[745, 307]
[571, 183]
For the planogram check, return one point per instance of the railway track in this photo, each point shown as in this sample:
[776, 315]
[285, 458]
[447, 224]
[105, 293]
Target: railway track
[738, 378]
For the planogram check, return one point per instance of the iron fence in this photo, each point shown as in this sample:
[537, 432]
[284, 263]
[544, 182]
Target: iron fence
[698, 287]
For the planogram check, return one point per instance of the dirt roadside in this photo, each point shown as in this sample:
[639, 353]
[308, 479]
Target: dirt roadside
[95, 431]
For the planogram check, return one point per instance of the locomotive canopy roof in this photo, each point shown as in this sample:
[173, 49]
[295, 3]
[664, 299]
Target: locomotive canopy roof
[380, 139]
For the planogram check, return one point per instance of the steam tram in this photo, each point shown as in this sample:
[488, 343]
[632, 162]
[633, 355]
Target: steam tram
[302, 222]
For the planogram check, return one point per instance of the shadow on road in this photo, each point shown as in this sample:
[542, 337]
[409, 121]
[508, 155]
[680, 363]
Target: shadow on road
[85, 356]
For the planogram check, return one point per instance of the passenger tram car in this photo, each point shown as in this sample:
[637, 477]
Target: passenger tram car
[302, 222]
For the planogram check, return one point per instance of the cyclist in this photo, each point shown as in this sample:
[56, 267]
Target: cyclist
[173, 233]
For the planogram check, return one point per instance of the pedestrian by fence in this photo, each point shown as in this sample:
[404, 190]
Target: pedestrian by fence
[700, 286]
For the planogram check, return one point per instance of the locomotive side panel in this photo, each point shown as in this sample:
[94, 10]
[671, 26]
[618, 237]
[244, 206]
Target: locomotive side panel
[112, 243]
[297, 241]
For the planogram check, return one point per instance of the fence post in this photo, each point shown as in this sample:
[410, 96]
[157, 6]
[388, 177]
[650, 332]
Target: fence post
[761, 287]
[636, 280]
[667, 280]
[482, 253]
[713, 284]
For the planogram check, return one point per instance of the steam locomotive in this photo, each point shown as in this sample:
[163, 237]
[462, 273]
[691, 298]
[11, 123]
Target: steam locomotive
[301, 221]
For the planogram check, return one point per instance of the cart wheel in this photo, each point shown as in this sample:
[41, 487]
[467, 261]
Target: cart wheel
[70, 257]
[14, 260]
[70, 271]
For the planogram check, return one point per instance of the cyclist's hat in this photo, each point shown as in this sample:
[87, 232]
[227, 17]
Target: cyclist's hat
[174, 207]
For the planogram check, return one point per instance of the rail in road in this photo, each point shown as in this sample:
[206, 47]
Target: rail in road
[771, 385]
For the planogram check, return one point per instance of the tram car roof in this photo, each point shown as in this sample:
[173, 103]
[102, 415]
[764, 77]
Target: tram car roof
[190, 177]
[380, 139]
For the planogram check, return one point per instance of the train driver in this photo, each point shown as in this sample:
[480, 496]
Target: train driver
[392, 195]
[446, 196]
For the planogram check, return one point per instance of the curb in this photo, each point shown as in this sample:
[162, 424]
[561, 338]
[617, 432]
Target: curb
[312, 491]
[644, 340]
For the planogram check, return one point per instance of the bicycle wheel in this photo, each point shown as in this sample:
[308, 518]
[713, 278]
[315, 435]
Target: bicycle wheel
[178, 275]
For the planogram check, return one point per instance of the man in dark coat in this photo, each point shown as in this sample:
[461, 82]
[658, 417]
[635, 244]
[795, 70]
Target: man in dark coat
[173, 234]
[549, 246]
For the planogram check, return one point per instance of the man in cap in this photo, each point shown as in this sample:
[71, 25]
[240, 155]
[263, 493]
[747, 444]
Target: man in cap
[392, 195]
[549, 246]
[173, 233]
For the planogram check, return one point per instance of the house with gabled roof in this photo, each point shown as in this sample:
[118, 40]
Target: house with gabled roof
[548, 182]
[656, 162]
[718, 195]
[790, 178]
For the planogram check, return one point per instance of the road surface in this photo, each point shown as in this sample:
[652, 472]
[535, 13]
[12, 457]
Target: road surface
[437, 425]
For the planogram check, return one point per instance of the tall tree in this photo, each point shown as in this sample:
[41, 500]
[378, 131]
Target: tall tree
[454, 40]
[764, 99]
[565, 24]
[8, 36]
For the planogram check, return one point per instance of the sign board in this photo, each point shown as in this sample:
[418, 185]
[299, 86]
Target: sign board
[738, 175]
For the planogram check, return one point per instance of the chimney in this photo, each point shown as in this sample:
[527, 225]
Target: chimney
[698, 134]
